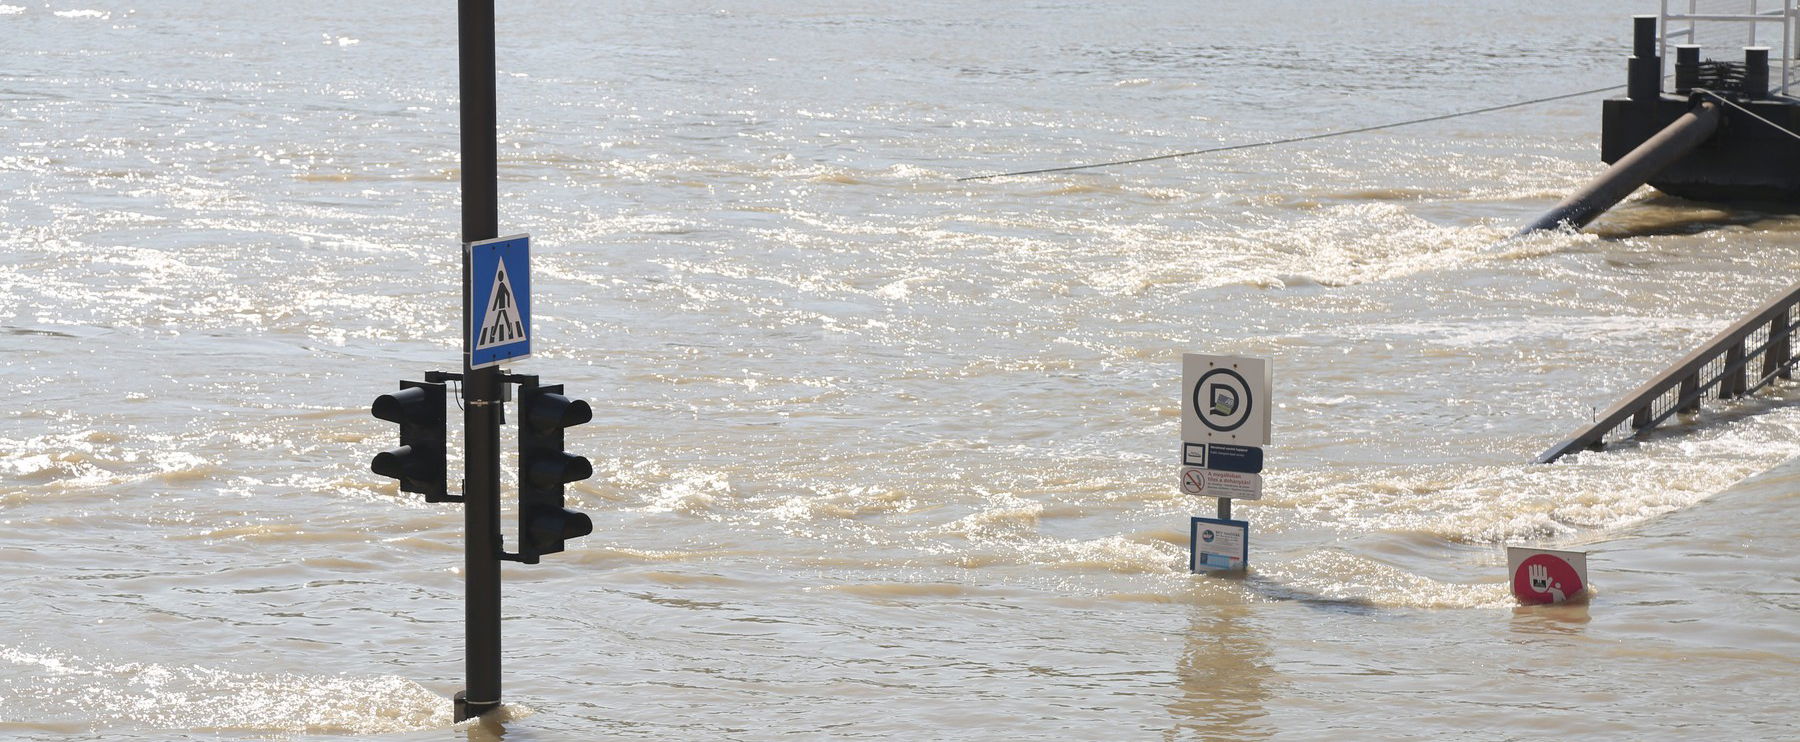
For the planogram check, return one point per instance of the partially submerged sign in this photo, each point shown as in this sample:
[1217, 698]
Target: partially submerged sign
[499, 311]
[1218, 544]
[1546, 576]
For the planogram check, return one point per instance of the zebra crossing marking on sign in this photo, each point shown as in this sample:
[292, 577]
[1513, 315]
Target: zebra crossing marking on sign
[502, 324]
[499, 308]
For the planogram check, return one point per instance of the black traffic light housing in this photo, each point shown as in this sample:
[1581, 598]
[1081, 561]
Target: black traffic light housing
[420, 461]
[544, 468]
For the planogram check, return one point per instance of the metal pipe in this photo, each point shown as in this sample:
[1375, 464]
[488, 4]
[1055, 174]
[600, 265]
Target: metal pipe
[481, 387]
[1634, 169]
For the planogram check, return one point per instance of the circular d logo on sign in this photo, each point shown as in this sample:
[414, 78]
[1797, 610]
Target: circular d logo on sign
[1222, 399]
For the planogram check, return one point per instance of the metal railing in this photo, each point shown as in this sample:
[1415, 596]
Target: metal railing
[1717, 25]
[1763, 342]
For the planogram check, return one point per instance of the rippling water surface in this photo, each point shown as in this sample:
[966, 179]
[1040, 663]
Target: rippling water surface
[879, 453]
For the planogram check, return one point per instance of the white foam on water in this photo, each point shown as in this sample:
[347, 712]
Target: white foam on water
[40, 687]
[91, 459]
[1335, 576]
[1583, 496]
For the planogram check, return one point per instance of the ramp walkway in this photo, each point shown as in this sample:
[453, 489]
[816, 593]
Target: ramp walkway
[1743, 358]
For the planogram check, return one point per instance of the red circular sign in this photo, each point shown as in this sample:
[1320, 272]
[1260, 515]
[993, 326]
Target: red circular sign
[1193, 481]
[1543, 579]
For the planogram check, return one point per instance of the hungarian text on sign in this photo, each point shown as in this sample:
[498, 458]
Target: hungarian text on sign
[1230, 485]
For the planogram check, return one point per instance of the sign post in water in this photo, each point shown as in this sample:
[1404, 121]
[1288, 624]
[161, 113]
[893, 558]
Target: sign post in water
[1225, 420]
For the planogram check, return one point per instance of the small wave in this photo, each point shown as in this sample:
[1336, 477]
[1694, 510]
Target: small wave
[1011, 517]
[1584, 494]
[900, 589]
[1333, 576]
[693, 494]
[1118, 555]
[1358, 243]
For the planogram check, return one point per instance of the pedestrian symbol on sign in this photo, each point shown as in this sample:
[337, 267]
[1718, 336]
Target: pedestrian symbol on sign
[498, 309]
[501, 324]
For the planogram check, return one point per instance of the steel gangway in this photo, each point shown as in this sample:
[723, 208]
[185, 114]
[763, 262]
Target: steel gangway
[1742, 359]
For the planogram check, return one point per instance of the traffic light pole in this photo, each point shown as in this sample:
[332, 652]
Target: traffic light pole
[481, 387]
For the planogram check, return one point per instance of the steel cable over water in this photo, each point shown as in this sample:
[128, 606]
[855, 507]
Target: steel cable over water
[1292, 140]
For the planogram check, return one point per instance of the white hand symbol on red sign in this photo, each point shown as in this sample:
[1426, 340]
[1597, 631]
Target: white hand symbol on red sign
[1540, 581]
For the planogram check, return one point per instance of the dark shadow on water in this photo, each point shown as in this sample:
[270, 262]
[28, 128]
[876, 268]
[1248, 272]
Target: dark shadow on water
[1664, 215]
[1269, 589]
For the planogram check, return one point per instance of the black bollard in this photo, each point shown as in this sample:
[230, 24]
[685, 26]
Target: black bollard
[1644, 70]
[1756, 72]
[1687, 68]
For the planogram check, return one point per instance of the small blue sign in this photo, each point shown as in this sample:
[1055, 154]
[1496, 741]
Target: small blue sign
[1223, 457]
[499, 311]
[1218, 544]
[1246, 459]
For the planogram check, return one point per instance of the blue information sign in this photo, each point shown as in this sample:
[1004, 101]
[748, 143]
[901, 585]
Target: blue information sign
[499, 311]
[1218, 544]
[1223, 457]
[1246, 459]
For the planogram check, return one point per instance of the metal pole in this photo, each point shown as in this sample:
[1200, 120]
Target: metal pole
[481, 387]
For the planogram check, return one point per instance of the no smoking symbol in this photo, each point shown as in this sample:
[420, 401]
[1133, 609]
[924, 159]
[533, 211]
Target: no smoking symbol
[1193, 481]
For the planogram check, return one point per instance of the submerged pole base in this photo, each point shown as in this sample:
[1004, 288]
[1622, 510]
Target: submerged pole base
[466, 709]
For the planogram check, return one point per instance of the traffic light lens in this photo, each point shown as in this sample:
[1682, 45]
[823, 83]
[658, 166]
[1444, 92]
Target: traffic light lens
[560, 469]
[557, 411]
[577, 525]
[398, 406]
[392, 463]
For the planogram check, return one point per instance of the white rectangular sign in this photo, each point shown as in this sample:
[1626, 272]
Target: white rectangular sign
[1230, 485]
[1225, 399]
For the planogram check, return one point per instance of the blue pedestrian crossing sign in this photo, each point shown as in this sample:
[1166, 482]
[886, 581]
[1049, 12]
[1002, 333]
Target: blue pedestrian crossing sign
[499, 311]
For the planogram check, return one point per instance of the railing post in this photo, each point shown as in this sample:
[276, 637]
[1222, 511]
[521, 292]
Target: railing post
[1731, 382]
[1690, 394]
[1779, 348]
